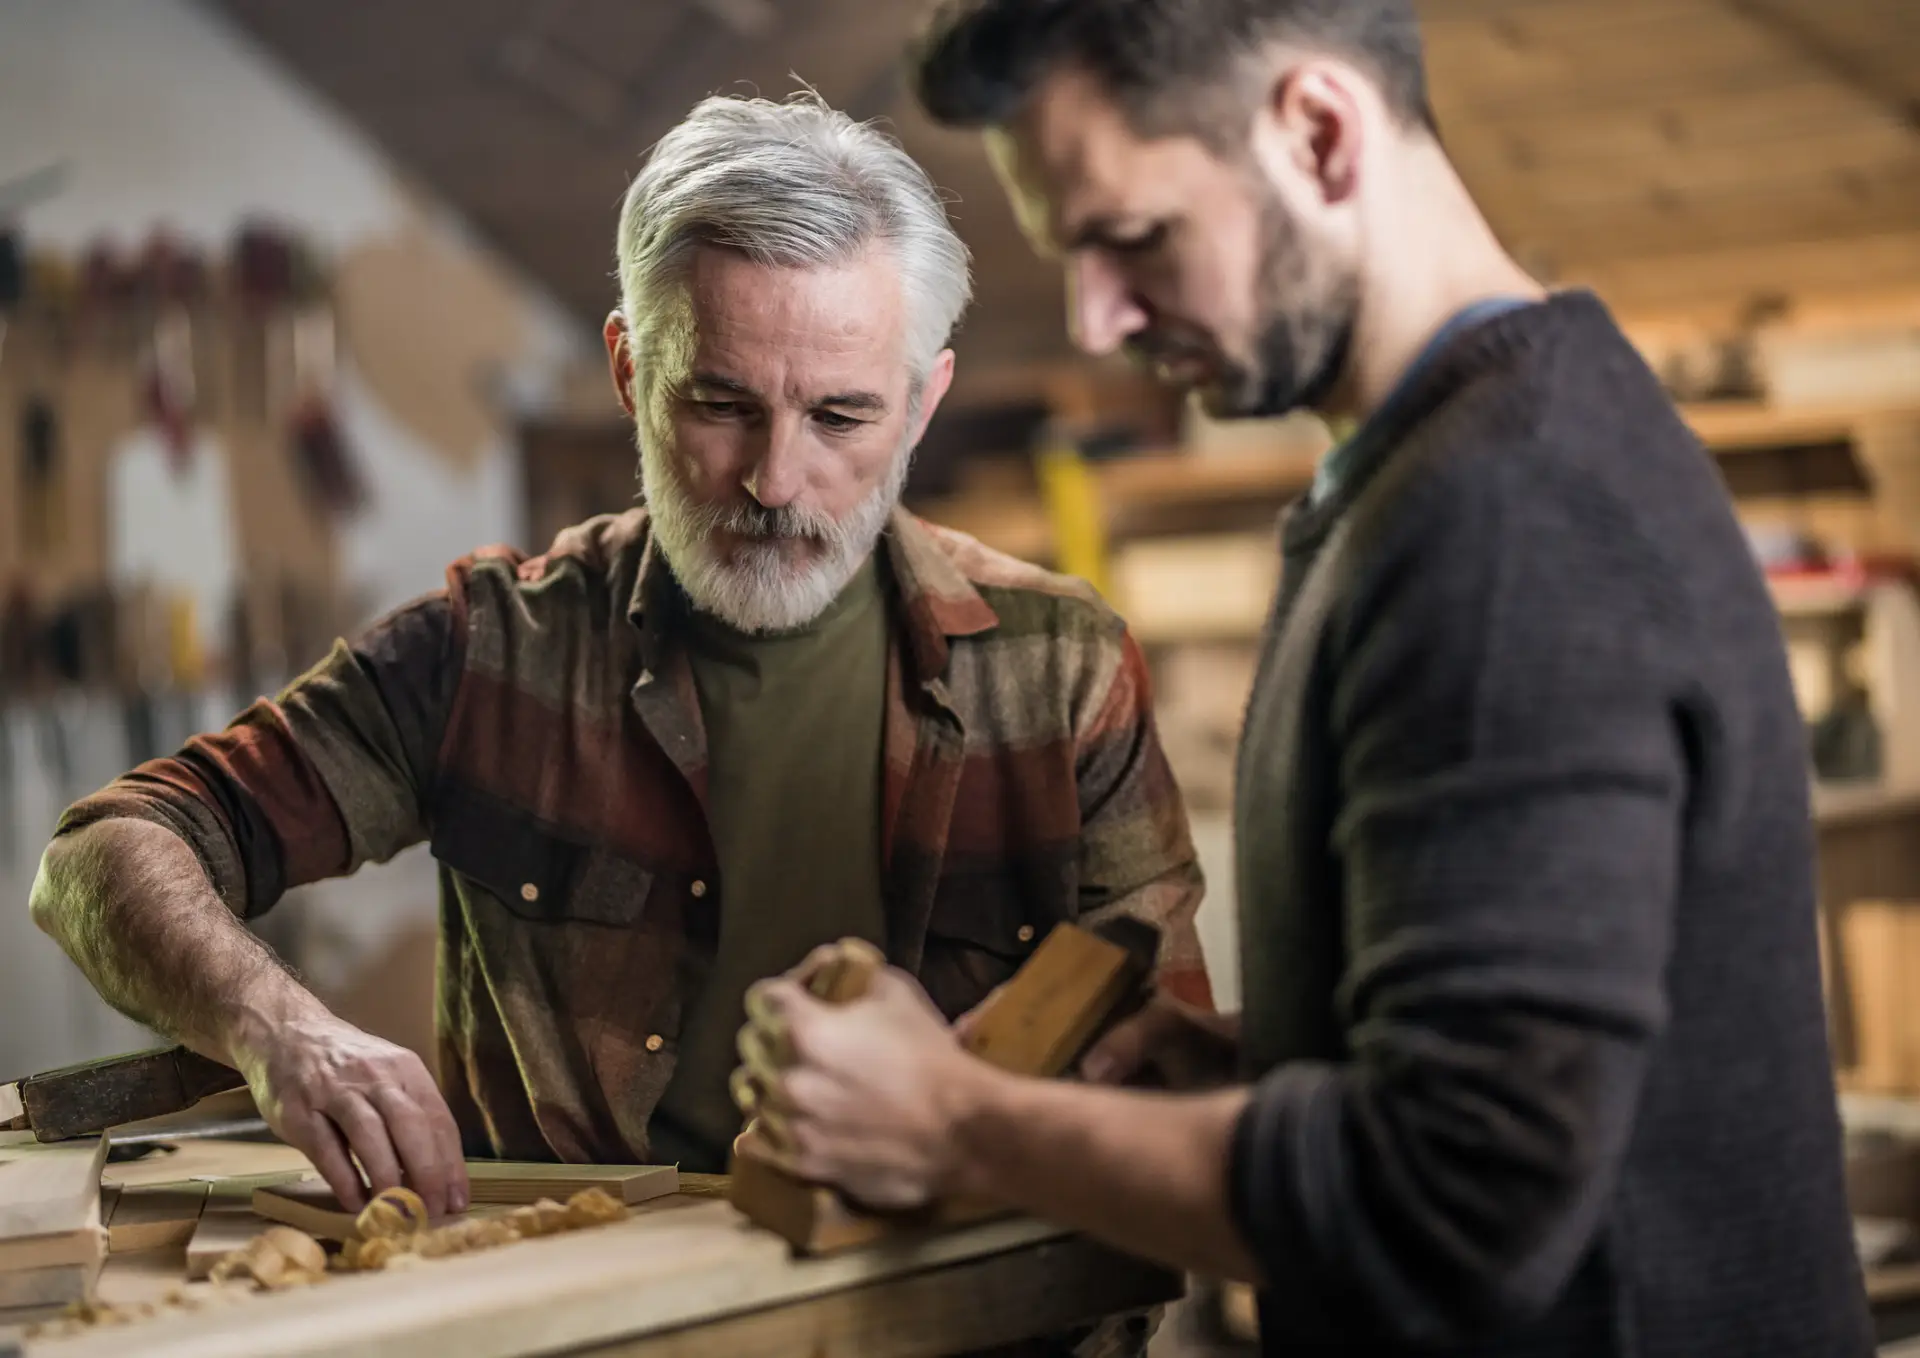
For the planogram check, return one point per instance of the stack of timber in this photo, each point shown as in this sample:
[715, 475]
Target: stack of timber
[51, 1238]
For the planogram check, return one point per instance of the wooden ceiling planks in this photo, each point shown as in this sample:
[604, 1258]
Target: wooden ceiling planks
[1670, 149]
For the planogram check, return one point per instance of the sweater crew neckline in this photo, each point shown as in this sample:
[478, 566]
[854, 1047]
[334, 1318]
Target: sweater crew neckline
[1485, 345]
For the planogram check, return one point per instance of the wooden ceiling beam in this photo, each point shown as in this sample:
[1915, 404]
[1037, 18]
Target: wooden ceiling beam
[1791, 27]
[1721, 282]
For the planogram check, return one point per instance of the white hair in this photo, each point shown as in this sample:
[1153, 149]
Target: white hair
[793, 184]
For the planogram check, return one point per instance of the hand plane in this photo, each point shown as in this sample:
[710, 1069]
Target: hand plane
[1077, 984]
[87, 1099]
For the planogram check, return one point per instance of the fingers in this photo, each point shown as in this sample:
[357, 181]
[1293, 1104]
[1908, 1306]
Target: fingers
[1123, 1051]
[366, 1135]
[423, 1161]
[964, 1026]
[426, 1096]
[822, 958]
[320, 1141]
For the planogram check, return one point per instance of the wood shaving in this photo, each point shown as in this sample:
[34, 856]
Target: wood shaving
[594, 1207]
[278, 1257]
[281, 1257]
[393, 1212]
[89, 1315]
[588, 1208]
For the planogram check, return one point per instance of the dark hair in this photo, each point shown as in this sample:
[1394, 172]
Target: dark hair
[1165, 63]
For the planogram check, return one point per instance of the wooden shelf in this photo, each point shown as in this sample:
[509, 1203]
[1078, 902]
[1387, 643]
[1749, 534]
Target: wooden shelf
[1816, 597]
[1736, 427]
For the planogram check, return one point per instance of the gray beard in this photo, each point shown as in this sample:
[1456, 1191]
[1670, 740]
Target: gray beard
[761, 589]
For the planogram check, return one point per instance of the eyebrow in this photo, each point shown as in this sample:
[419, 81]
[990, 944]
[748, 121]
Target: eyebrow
[868, 401]
[720, 383]
[871, 402]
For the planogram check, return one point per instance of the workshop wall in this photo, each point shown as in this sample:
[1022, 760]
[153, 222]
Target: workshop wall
[127, 121]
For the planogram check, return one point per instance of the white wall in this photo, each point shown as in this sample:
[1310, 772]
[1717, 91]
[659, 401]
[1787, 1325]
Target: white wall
[165, 116]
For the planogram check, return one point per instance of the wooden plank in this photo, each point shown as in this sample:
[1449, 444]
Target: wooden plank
[220, 1230]
[310, 1205]
[57, 1286]
[198, 1161]
[1043, 1289]
[650, 1275]
[48, 1189]
[153, 1218]
[514, 1183]
[28, 1252]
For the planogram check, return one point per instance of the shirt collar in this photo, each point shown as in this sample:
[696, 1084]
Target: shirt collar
[937, 602]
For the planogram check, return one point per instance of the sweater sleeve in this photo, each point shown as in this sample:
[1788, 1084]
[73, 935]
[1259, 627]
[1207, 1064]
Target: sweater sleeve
[1512, 772]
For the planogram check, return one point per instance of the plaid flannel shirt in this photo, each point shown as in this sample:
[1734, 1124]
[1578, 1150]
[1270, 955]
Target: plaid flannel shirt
[537, 724]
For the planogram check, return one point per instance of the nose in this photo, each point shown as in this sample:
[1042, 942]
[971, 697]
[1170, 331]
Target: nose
[1102, 311]
[776, 477]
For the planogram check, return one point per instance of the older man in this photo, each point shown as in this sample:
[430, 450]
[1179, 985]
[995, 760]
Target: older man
[684, 746]
[1533, 1059]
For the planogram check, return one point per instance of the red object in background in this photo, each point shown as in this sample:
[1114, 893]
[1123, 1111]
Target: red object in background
[326, 466]
[263, 265]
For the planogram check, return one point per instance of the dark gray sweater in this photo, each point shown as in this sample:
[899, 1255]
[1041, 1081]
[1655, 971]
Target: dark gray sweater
[1532, 990]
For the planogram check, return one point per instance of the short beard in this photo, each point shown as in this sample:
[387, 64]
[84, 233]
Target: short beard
[759, 590]
[1307, 312]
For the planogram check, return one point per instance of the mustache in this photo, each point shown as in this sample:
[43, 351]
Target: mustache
[764, 523]
[1153, 346]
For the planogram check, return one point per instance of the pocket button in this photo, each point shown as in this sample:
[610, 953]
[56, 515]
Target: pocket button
[655, 1042]
[699, 889]
[1025, 933]
[529, 892]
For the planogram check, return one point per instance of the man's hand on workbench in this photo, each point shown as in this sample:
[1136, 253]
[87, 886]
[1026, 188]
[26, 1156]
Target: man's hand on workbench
[1185, 1047]
[327, 1089]
[863, 1095]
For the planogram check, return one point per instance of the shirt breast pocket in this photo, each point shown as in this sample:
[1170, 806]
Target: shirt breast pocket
[979, 933]
[535, 874]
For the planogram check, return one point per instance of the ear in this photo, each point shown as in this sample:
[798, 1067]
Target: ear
[1311, 128]
[939, 379]
[620, 358]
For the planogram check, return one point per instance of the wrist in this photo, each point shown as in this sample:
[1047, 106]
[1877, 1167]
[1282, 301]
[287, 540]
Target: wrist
[978, 1100]
[248, 1025]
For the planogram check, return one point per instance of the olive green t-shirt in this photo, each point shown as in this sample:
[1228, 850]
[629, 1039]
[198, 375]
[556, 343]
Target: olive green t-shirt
[794, 723]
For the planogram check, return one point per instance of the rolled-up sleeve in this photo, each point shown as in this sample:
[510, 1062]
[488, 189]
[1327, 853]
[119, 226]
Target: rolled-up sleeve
[331, 774]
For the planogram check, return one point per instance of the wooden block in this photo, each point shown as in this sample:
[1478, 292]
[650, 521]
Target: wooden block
[48, 1189]
[221, 1230]
[816, 1220]
[310, 1206]
[27, 1253]
[58, 1286]
[1038, 1022]
[153, 1218]
[512, 1183]
[1035, 1025]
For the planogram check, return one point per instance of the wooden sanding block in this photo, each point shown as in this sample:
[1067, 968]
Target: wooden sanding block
[1076, 984]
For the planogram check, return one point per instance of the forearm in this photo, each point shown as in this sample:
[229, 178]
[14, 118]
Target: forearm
[1145, 1172]
[131, 905]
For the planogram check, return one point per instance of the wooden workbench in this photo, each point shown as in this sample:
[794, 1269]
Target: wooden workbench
[686, 1277]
